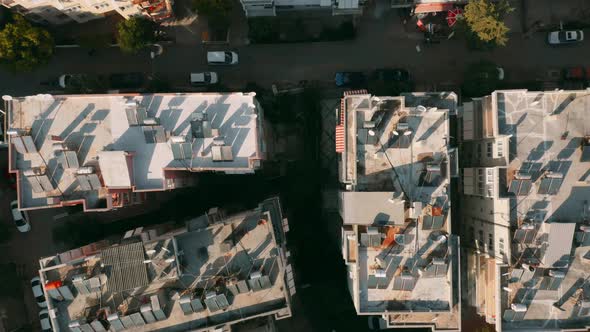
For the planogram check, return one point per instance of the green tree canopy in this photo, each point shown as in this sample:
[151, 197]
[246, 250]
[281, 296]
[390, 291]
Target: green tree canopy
[24, 47]
[485, 19]
[135, 34]
[211, 8]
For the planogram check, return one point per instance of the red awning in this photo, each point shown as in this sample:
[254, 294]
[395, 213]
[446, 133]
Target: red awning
[432, 7]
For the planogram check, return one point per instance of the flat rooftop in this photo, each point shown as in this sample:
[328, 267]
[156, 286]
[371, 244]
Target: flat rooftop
[549, 185]
[129, 141]
[224, 273]
[395, 207]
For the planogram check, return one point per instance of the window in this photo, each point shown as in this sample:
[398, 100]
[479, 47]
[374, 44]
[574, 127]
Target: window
[471, 233]
[480, 236]
[490, 242]
[489, 149]
[500, 146]
[478, 151]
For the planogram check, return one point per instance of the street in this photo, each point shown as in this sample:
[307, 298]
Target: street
[381, 42]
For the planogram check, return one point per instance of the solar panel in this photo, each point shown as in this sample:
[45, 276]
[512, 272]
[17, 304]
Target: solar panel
[242, 286]
[45, 183]
[61, 159]
[254, 285]
[519, 235]
[427, 222]
[159, 134]
[554, 186]
[19, 145]
[83, 182]
[131, 117]
[141, 115]
[544, 187]
[529, 236]
[127, 322]
[515, 275]
[97, 326]
[409, 284]
[429, 272]
[555, 283]
[197, 305]
[35, 185]
[211, 304]
[265, 282]
[222, 301]
[438, 222]
[441, 270]
[29, 144]
[375, 240]
[148, 315]
[365, 240]
[508, 315]
[514, 186]
[177, 152]
[525, 187]
[398, 283]
[72, 159]
[149, 135]
[519, 316]
[94, 181]
[137, 319]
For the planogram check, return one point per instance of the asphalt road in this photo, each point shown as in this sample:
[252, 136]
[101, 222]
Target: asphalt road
[380, 43]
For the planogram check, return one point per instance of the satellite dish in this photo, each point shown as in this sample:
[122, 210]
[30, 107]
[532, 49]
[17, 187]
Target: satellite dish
[407, 133]
[7, 98]
[371, 133]
[395, 133]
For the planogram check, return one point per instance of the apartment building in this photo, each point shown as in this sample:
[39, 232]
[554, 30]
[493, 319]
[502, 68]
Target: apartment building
[427, 6]
[395, 167]
[526, 184]
[254, 8]
[107, 151]
[56, 12]
[213, 273]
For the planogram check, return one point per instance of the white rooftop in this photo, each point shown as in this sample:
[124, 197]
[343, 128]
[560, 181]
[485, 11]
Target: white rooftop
[546, 153]
[160, 133]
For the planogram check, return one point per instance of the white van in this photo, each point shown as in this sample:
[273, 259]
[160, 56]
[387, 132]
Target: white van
[205, 78]
[222, 58]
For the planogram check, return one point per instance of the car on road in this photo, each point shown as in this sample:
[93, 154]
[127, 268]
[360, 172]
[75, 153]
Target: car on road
[350, 79]
[564, 37]
[222, 58]
[204, 78]
[22, 224]
[45, 321]
[391, 75]
[127, 81]
[38, 292]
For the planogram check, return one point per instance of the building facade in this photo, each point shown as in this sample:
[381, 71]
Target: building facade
[107, 151]
[255, 8]
[524, 197]
[395, 170]
[56, 12]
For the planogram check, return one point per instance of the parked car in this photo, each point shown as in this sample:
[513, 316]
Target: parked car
[38, 292]
[45, 321]
[127, 81]
[204, 78]
[66, 81]
[222, 58]
[22, 224]
[350, 79]
[391, 75]
[563, 37]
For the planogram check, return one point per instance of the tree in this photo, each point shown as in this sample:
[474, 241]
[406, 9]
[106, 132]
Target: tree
[481, 79]
[485, 20]
[135, 34]
[210, 8]
[24, 47]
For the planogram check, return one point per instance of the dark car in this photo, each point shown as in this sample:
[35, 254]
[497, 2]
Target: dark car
[127, 81]
[350, 79]
[392, 75]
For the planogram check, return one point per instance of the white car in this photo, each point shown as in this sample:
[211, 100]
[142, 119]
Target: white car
[563, 37]
[205, 78]
[45, 321]
[222, 58]
[22, 224]
[38, 292]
